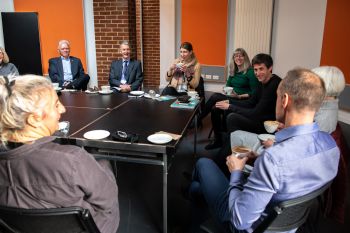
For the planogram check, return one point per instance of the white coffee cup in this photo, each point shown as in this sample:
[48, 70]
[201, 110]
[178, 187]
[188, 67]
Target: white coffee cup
[179, 65]
[271, 126]
[240, 151]
[192, 94]
[105, 88]
[228, 90]
[55, 85]
[63, 127]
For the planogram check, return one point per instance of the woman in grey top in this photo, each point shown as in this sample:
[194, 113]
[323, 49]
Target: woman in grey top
[6, 68]
[35, 170]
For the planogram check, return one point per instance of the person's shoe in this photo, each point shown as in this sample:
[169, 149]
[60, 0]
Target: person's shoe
[213, 145]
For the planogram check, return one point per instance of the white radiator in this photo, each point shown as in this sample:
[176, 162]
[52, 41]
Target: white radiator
[253, 25]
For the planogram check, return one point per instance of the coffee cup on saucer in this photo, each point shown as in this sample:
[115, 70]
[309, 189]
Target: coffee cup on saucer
[271, 126]
[192, 94]
[105, 88]
[55, 85]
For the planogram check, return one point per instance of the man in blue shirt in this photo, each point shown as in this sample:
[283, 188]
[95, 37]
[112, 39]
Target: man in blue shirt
[67, 70]
[302, 160]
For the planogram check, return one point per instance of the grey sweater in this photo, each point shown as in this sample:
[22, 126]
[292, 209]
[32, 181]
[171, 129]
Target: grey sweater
[46, 174]
[8, 69]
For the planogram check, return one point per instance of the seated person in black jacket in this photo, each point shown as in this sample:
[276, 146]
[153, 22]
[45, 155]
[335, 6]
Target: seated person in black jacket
[250, 114]
[126, 73]
[66, 70]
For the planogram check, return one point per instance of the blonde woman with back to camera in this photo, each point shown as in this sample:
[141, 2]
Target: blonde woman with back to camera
[37, 172]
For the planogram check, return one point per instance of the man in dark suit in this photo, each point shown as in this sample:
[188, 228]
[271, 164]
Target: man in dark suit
[126, 74]
[66, 70]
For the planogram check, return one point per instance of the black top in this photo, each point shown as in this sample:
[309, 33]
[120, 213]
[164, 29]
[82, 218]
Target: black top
[262, 105]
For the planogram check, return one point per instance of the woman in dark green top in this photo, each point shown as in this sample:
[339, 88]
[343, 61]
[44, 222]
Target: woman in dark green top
[241, 78]
[244, 83]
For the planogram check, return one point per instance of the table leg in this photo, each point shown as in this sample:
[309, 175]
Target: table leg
[195, 136]
[165, 193]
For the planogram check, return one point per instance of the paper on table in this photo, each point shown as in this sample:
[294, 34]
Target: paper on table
[174, 136]
[165, 98]
[117, 88]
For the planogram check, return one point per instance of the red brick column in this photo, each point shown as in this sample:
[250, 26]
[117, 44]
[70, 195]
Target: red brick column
[118, 20]
[112, 19]
[151, 42]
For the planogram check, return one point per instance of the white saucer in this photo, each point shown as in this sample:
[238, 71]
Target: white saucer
[137, 92]
[96, 134]
[159, 138]
[149, 97]
[58, 88]
[91, 92]
[105, 92]
[69, 90]
[265, 136]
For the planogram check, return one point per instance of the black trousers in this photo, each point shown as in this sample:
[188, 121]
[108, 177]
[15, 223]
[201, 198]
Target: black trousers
[227, 121]
[172, 91]
[81, 83]
[218, 121]
[211, 103]
[235, 121]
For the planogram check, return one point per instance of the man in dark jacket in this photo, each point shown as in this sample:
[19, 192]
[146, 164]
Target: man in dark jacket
[126, 73]
[67, 70]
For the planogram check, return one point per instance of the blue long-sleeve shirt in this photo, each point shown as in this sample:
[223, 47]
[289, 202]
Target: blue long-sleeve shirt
[302, 160]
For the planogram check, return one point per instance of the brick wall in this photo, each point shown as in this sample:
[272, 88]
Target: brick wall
[151, 42]
[114, 22]
[118, 20]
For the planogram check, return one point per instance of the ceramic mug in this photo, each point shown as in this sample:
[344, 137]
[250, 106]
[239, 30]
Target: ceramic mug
[228, 90]
[55, 85]
[105, 88]
[192, 94]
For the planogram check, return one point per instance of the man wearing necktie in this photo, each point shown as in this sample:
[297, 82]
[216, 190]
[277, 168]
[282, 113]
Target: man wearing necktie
[126, 73]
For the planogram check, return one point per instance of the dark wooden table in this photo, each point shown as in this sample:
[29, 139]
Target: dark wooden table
[140, 116]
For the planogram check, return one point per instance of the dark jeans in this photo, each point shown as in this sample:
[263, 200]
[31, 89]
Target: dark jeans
[208, 191]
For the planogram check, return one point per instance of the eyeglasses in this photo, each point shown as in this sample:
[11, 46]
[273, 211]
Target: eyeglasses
[238, 56]
[122, 134]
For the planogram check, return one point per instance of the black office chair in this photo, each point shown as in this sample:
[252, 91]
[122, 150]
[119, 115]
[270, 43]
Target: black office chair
[57, 220]
[285, 216]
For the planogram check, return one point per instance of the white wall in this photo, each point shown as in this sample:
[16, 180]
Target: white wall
[167, 37]
[297, 34]
[5, 6]
[90, 44]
